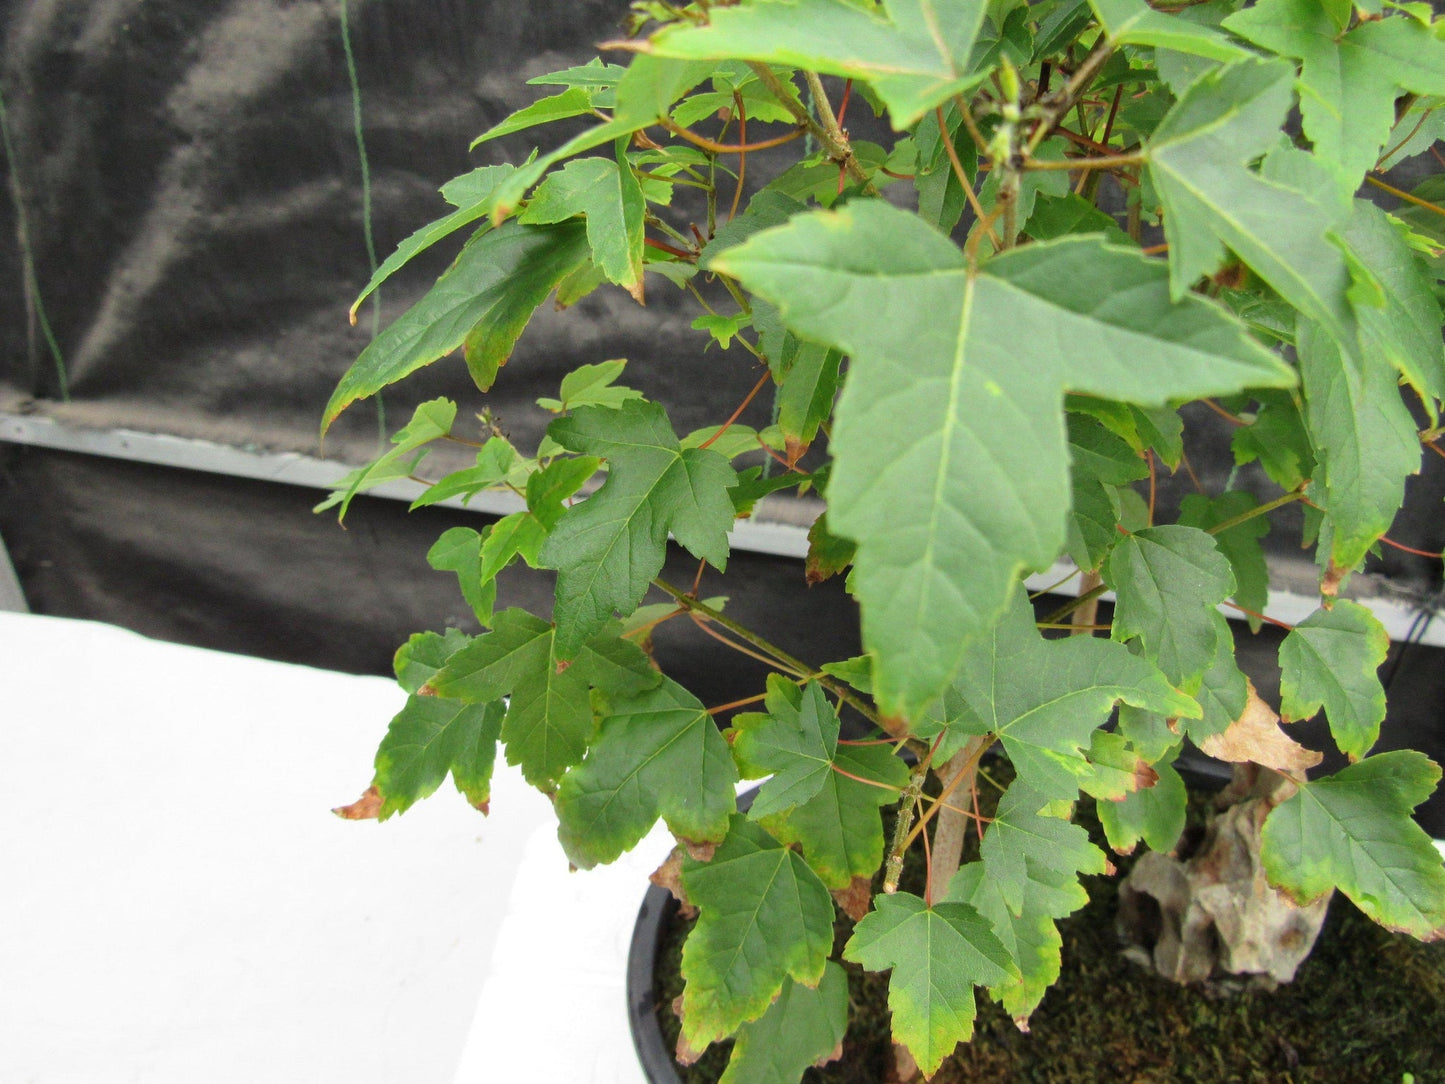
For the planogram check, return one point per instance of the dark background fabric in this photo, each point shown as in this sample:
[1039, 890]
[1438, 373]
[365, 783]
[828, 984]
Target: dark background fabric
[184, 214]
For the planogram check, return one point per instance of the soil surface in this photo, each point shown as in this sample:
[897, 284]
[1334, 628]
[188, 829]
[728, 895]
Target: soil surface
[1367, 1006]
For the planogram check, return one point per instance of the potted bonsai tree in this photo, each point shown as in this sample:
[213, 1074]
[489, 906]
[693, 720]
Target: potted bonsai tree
[979, 334]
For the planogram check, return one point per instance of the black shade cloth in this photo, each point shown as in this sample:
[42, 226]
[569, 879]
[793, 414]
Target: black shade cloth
[183, 228]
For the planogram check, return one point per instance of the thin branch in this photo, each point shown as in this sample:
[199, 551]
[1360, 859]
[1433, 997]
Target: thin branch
[839, 149]
[730, 148]
[1406, 196]
[762, 380]
[1262, 617]
[834, 141]
[1073, 604]
[958, 172]
[742, 155]
[1115, 161]
[1233, 419]
[789, 662]
[1258, 510]
[663, 246]
[1153, 482]
[966, 111]
[1407, 549]
[641, 629]
[744, 702]
[1077, 84]
[871, 782]
[1380, 164]
[1051, 588]
[963, 774]
[701, 623]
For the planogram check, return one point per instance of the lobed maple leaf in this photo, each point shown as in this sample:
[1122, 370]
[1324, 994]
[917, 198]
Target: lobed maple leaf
[658, 753]
[938, 955]
[548, 723]
[914, 53]
[764, 917]
[950, 469]
[608, 548]
[1353, 831]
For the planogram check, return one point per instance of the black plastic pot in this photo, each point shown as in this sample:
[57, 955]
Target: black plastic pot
[657, 911]
[658, 908]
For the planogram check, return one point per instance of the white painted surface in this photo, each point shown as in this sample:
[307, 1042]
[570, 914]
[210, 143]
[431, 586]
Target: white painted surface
[179, 905]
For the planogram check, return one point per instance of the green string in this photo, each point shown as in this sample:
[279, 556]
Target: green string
[356, 127]
[27, 257]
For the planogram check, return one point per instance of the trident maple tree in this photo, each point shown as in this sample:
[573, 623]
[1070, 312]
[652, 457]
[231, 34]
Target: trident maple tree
[1084, 217]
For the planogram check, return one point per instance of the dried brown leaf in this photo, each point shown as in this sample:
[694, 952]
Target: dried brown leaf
[669, 876]
[365, 808]
[833, 1055]
[1331, 581]
[856, 899]
[1144, 775]
[1255, 737]
[905, 1067]
[699, 852]
[686, 1053]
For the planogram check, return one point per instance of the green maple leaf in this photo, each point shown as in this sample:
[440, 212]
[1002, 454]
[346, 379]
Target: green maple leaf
[950, 466]
[483, 301]
[521, 534]
[764, 917]
[496, 461]
[1045, 698]
[1277, 438]
[1348, 82]
[592, 385]
[1353, 831]
[915, 53]
[1212, 202]
[828, 555]
[575, 101]
[1021, 840]
[417, 661]
[608, 548]
[644, 93]
[1399, 317]
[808, 384]
[938, 955]
[795, 742]
[1239, 544]
[1168, 581]
[1031, 936]
[430, 421]
[840, 828]
[1133, 22]
[1331, 660]
[1365, 443]
[658, 754]
[459, 550]
[801, 1028]
[431, 737]
[1113, 766]
[1100, 462]
[549, 717]
[1223, 690]
[471, 195]
[1153, 814]
[608, 194]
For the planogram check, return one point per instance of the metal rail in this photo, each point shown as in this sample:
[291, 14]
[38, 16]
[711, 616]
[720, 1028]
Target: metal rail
[764, 533]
